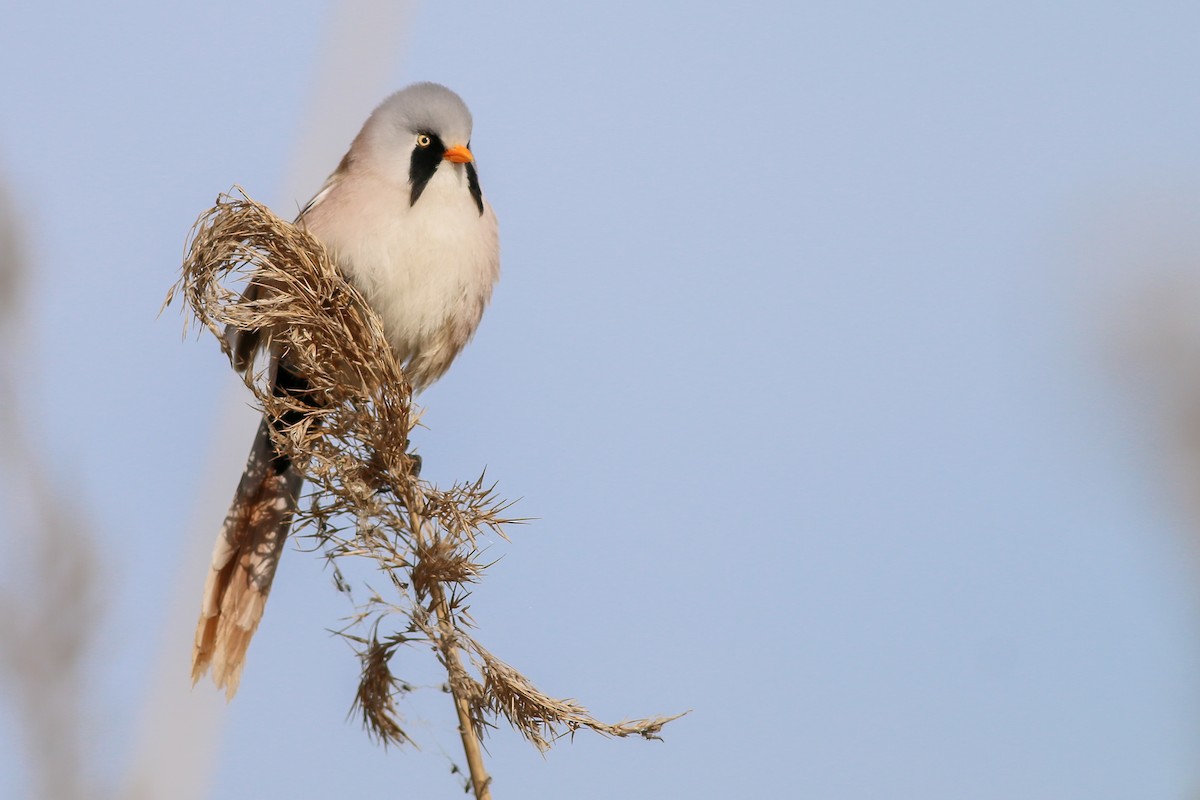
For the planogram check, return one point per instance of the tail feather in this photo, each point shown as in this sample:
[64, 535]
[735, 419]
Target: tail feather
[244, 562]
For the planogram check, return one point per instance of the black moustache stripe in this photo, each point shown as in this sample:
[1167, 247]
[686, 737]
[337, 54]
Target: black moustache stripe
[426, 160]
[473, 185]
[424, 163]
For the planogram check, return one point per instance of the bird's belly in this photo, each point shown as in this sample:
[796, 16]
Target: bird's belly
[429, 287]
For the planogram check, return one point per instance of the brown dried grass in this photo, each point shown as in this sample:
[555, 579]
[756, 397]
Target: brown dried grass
[366, 500]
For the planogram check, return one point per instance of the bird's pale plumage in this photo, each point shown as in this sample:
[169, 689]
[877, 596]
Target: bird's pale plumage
[405, 220]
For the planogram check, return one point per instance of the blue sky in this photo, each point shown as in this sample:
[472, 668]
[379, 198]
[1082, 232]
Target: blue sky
[801, 357]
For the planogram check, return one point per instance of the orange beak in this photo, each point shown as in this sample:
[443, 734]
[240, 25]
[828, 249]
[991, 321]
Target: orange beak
[458, 154]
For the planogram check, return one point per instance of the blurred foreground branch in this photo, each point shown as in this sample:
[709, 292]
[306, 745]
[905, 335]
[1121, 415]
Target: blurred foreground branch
[350, 437]
[1155, 336]
[49, 607]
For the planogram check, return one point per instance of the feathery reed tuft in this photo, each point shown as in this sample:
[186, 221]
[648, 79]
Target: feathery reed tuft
[350, 440]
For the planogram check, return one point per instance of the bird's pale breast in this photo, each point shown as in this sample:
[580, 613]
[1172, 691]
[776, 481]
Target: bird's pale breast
[427, 268]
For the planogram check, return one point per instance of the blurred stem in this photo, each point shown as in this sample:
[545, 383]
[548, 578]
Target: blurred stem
[480, 780]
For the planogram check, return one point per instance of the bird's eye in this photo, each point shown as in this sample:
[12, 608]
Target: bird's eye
[423, 140]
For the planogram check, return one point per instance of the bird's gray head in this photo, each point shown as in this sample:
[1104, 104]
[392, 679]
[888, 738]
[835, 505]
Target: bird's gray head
[417, 130]
[426, 107]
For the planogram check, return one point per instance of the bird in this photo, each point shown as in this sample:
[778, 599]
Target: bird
[405, 221]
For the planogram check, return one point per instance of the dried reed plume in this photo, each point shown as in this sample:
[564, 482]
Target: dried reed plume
[366, 500]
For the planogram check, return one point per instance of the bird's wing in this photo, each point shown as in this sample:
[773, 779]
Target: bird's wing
[244, 343]
[330, 183]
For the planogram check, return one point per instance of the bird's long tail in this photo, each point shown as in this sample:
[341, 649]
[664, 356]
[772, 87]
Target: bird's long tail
[244, 561]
